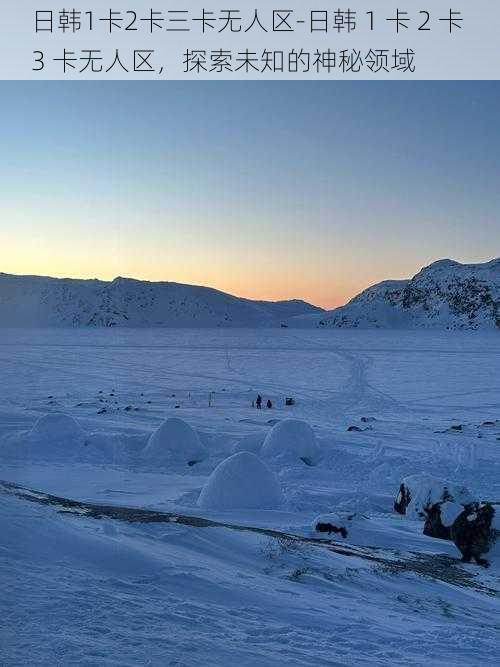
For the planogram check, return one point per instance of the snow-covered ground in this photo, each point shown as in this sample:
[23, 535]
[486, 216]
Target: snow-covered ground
[81, 590]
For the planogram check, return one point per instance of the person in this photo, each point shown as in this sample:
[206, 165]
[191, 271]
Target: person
[269, 403]
[258, 402]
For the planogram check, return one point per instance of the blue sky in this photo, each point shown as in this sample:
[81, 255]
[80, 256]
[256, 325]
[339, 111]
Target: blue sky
[267, 190]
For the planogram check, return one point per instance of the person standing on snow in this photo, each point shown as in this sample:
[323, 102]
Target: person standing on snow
[258, 402]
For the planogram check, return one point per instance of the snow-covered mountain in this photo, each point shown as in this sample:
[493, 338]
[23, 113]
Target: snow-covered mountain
[445, 295]
[34, 301]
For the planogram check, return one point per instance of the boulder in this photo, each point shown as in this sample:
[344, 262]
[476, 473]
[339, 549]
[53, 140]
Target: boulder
[330, 523]
[474, 531]
[439, 519]
[418, 493]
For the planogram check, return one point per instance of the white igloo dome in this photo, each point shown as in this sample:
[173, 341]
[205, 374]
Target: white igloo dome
[291, 441]
[56, 434]
[174, 442]
[242, 481]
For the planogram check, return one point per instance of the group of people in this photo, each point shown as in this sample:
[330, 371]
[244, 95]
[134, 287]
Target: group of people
[258, 403]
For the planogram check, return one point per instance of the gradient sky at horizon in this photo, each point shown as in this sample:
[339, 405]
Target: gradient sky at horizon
[265, 190]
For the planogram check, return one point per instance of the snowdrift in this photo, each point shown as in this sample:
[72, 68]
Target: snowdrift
[242, 481]
[175, 442]
[292, 441]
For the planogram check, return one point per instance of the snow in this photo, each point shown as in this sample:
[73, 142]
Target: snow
[291, 441]
[250, 443]
[174, 443]
[242, 481]
[449, 512]
[36, 301]
[426, 490]
[443, 295]
[84, 591]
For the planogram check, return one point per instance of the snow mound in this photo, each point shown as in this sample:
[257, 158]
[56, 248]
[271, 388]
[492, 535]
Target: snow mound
[330, 523]
[250, 443]
[290, 441]
[56, 435]
[423, 491]
[174, 442]
[242, 481]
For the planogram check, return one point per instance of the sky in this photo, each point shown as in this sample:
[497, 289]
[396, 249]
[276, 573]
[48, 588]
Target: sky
[267, 190]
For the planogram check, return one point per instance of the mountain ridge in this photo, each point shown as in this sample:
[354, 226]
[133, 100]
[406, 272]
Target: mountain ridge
[30, 301]
[443, 295]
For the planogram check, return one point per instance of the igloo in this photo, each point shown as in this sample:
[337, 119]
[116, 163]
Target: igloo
[56, 434]
[242, 481]
[290, 441]
[174, 442]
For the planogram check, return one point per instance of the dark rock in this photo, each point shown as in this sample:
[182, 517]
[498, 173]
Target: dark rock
[427, 491]
[403, 499]
[330, 528]
[473, 532]
[434, 526]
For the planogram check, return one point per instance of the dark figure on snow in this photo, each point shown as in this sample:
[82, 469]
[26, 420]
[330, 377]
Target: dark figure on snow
[258, 402]
[473, 532]
[269, 404]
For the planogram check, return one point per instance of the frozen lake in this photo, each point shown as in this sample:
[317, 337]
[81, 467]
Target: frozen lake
[155, 591]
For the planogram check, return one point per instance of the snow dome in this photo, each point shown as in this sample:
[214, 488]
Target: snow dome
[292, 440]
[56, 434]
[174, 442]
[242, 481]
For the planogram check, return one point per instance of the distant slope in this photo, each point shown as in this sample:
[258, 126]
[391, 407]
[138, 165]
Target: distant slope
[444, 295]
[34, 301]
